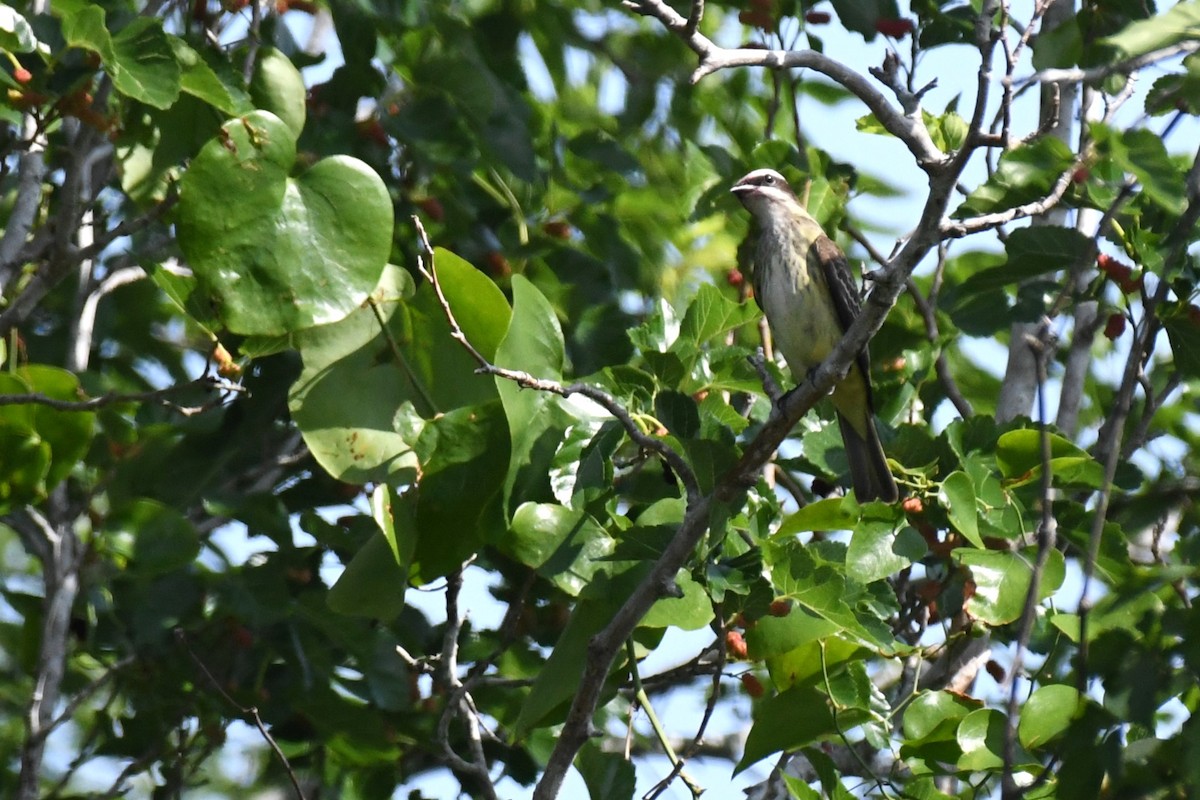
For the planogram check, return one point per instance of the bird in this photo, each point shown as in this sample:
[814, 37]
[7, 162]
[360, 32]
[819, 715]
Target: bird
[803, 286]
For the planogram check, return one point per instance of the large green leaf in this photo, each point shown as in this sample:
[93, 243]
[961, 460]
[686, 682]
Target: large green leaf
[1002, 582]
[372, 584]
[139, 59]
[792, 719]
[411, 370]
[1024, 174]
[276, 253]
[1179, 23]
[464, 457]
[536, 420]
[565, 546]
[371, 438]
[210, 79]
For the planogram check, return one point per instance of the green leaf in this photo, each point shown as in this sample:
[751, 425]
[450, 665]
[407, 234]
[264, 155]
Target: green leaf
[1180, 23]
[936, 715]
[372, 584]
[1002, 582]
[690, 612]
[209, 79]
[558, 679]
[792, 719]
[277, 86]
[277, 253]
[565, 546]
[156, 537]
[1019, 457]
[370, 439]
[139, 59]
[394, 516]
[1060, 46]
[872, 555]
[464, 457]
[1145, 155]
[712, 314]
[1184, 336]
[957, 496]
[16, 35]
[1123, 612]
[1047, 714]
[948, 131]
[607, 776]
[772, 637]
[981, 737]
[822, 591]
[1032, 252]
[143, 64]
[830, 514]
[1024, 174]
[536, 419]
[860, 16]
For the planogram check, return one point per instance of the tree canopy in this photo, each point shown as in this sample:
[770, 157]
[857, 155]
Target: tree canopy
[328, 329]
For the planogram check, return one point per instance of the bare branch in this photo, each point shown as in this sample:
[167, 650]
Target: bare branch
[61, 554]
[50, 274]
[1047, 540]
[31, 168]
[910, 129]
[459, 703]
[209, 382]
[1092, 74]
[957, 229]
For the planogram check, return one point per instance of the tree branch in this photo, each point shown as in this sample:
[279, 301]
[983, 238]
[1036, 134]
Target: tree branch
[910, 129]
[209, 382]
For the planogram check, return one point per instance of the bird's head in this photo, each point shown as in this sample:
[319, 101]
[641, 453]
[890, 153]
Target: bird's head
[765, 193]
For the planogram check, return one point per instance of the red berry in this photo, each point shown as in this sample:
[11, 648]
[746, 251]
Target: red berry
[735, 644]
[1113, 268]
[1115, 326]
[817, 17]
[1131, 284]
[895, 28]
[735, 278]
[757, 19]
[243, 639]
[371, 130]
[1080, 175]
[753, 685]
[557, 229]
[433, 207]
[781, 607]
[913, 505]
[22, 75]
[497, 264]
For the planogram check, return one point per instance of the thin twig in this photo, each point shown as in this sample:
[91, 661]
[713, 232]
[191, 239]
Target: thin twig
[1047, 541]
[459, 701]
[209, 382]
[250, 711]
[644, 440]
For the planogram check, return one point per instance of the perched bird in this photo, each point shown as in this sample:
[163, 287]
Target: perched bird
[802, 284]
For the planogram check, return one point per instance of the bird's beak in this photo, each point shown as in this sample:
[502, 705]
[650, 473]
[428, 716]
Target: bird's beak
[738, 188]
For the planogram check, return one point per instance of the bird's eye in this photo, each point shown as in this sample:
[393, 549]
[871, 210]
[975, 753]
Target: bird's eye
[769, 179]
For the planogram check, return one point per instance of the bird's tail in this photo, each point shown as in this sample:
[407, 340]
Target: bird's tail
[869, 471]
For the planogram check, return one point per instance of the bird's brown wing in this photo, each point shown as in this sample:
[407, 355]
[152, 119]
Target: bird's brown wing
[843, 292]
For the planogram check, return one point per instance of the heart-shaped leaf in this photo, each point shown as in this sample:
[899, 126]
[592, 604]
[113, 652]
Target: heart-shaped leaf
[275, 253]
